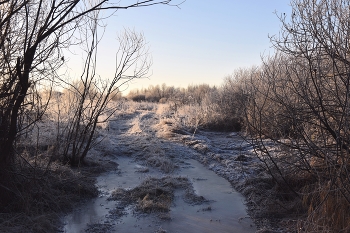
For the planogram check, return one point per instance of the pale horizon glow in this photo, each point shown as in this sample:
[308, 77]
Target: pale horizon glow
[199, 43]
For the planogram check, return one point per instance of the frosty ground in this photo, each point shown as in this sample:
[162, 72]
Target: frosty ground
[152, 170]
[156, 140]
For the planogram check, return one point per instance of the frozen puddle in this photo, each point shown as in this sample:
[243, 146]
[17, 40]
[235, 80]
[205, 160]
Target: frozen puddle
[224, 213]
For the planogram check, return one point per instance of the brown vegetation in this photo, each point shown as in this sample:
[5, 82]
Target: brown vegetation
[40, 194]
[156, 195]
[299, 101]
[200, 105]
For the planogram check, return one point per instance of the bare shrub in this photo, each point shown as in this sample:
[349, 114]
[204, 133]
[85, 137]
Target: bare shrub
[201, 105]
[80, 108]
[300, 100]
[138, 98]
[212, 110]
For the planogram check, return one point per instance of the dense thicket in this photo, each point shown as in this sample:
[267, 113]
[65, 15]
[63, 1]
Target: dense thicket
[217, 108]
[300, 102]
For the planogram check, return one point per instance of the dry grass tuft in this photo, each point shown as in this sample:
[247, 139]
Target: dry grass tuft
[36, 194]
[328, 208]
[155, 195]
[161, 162]
[271, 202]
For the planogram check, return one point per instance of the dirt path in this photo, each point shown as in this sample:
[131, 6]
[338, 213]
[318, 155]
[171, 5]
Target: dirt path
[146, 146]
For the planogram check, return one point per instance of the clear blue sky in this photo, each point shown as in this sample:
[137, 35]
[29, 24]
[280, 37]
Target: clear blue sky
[202, 42]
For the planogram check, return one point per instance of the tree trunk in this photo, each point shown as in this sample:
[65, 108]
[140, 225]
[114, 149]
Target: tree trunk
[9, 122]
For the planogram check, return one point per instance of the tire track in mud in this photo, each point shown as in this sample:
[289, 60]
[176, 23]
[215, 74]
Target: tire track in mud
[136, 136]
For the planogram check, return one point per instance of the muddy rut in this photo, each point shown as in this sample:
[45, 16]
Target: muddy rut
[165, 180]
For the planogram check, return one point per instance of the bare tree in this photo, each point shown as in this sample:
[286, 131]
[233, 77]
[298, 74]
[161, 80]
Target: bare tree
[91, 95]
[32, 34]
[301, 104]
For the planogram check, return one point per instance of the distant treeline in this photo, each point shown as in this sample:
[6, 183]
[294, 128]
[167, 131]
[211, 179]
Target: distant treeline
[163, 93]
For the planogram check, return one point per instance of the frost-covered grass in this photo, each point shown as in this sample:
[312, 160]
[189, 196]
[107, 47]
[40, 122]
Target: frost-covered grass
[43, 192]
[137, 129]
[155, 194]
